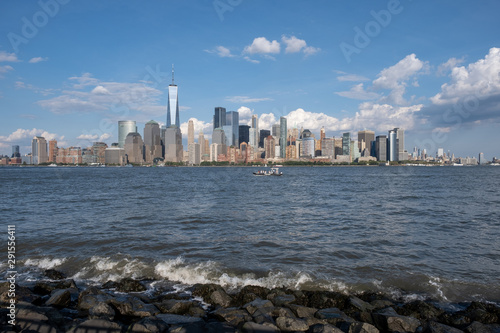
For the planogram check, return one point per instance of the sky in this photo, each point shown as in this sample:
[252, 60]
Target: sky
[70, 70]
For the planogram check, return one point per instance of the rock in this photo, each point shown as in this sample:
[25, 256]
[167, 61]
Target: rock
[324, 328]
[54, 275]
[477, 327]
[233, 316]
[257, 304]
[23, 294]
[250, 327]
[174, 306]
[420, 310]
[102, 310]
[173, 319]
[288, 324]
[187, 328]
[60, 298]
[381, 304]
[128, 285]
[360, 305]
[97, 326]
[281, 300]
[282, 312]
[389, 320]
[149, 325]
[263, 316]
[359, 327]
[220, 298]
[205, 290]
[197, 311]
[91, 297]
[132, 306]
[333, 316]
[29, 320]
[435, 327]
[218, 327]
[483, 316]
[302, 311]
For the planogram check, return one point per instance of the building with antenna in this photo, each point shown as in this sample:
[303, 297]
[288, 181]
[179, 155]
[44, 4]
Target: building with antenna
[173, 135]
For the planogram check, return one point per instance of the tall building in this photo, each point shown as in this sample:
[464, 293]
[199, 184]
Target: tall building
[204, 152]
[39, 150]
[219, 117]
[232, 129]
[194, 154]
[346, 144]
[15, 151]
[219, 138]
[190, 132]
[244, 134]
[328, 147]
[263, 134]
[400, 137]
[134, 148]
[152, 141]
[255, 126]
[365, 139]
[124, 128]
[275, 131]
[381, 148]
[52, 150]
[283, 137]
[173, 102]
[173, 144]
[481, 158]
[269, 146]
[392, 146]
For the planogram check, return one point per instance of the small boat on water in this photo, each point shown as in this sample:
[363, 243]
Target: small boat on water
[272, 172]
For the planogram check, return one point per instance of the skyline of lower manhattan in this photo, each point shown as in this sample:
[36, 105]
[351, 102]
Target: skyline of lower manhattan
[374, 66]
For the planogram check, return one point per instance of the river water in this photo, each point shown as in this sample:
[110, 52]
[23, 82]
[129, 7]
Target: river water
[412, 232]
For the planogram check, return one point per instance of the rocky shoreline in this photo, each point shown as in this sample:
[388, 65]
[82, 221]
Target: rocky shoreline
[58, 305]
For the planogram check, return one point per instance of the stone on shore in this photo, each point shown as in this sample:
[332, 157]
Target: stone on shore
[333, 316]
[54, 275]
[97, 326]
[435, 327]
[287, 324]
[257, 304]
[60, 298]
[149, 325]
[389, 320]
[173, 319]
[102, 310]
[128, 285]
[250, 327]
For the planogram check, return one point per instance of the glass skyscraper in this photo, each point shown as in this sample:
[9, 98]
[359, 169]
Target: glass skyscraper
[346, 144]
[173, 102]
[283, 134]
[219, 117]
[231, 128]
[124, 128]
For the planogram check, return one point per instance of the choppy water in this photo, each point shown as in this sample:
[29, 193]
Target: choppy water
[412, 231]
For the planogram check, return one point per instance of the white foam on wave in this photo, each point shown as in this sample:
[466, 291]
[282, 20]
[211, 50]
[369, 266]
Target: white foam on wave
[211, 272]
[436, 282]
[45, 263]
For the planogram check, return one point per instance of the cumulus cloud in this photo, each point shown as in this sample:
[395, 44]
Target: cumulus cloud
[221, 51]
[245, 115]
[351, 78]
[23, 137]
[37, 59]
[294, 45]
[87, 137]
[8, 57]
[100, 90]
[358, 92]
[262, 45]
[199, 125]
[444, 68]
[5, 69]
[246, 99]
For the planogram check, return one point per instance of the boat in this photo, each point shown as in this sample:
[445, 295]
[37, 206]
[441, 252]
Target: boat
[272, 172]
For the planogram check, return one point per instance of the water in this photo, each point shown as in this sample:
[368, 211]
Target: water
[412, 232]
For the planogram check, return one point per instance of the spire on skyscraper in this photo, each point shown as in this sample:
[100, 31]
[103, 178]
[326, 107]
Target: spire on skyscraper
[173, 102]
[172, 74]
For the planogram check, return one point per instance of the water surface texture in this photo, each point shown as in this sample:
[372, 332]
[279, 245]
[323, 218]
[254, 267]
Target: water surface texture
[411, 231]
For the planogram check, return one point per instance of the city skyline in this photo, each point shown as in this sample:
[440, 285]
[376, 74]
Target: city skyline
[342, 66]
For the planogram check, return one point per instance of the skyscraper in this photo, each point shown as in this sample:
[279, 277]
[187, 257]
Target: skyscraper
[152, 141]
[254, 142]
[231, 128]
[346, 144]
[262, 135]
[283, 139]
[400, 136]
[365, 139]
[39, 150]
[392, 146]
[15, 151]
[244, 131]
[124, 128]
[190, 131]
[173, 102]
[219, 117]
[52, 150]
[134, 148]
[381, 148]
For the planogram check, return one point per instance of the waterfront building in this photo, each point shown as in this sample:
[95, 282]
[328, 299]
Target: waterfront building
[52, 151]
[308, 145]
[219, 137]
[400, 136]
[283, 137]
[134, 148]
[152, 141]
[365, 139]
[392, 146]
[115, 155]
[255, 126]
[346, 144]
[269, 147]
[482, 160]
[15, 151]
[355, 154]
[98, 152]
[440, 152]
[71, 155]
[328, 147]
[244, 133]
[194, 154]
[231, 129]
[275, 131]
[39, 150]
[124, 128]
[173, 144]
[173, 103]
[219, 117]
[381, 148]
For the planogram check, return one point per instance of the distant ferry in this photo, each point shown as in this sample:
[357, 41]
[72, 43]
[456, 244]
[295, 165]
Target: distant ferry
[273, 172]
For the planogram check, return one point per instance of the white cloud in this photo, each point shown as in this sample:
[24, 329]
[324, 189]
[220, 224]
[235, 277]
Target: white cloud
[85, 80]
[205, 127]
[89, 137]
[246, 99]
[251, 60]
[294, 45]
[104, 137]
[395, 77]
[37, 59]
[221, 51]
[262, 45]
[44, 92]
[358, 92]
[351, 78]
[480, 79]
[245, 115]
[5, 69]
[100, 90]
[8, 57]
[449, 65]
[23, 137]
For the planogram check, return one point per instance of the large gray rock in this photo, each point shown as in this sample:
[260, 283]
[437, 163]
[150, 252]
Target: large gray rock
[129, 285]
[97, 326]
[333, 316]
[360, 305]
[30, 320]
[91, 297]
[324, 328]
[281, 300]
[477, 327]
[60, 298]
[149, 325]
[359, 327]
[102, 310]
[175, 306]
[287, 324]
[173, 319]
[132, 306]
[220, 298]
[302, 311]
[250, 327]
[389, 320]
[435, 327]
[233, 316]
[257, 304]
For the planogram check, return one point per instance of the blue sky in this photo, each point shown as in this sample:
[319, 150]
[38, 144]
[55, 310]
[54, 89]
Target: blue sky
[69, 70]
